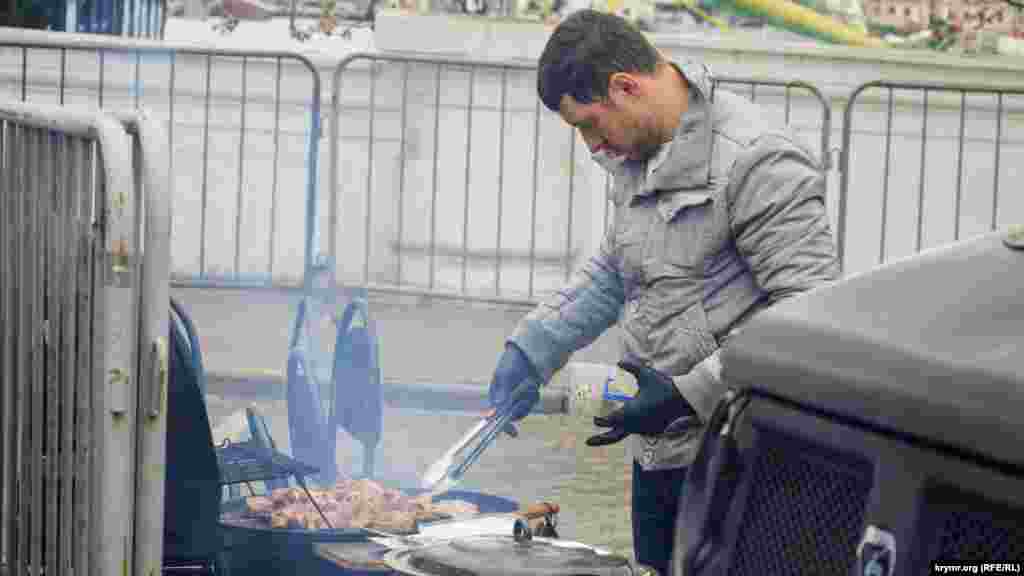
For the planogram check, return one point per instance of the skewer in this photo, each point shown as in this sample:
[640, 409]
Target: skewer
[302, 484]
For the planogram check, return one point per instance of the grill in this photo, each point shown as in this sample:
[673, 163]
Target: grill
[971, 528]
[242, 462]
[805, 508]
[246, 462]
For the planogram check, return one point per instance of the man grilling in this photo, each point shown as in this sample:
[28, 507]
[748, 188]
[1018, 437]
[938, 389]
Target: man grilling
[720, 212]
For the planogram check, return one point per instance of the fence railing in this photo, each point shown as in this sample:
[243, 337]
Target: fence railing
[941, 169]
[84, 248]
[242, 127]
[454, 180]
[470, 189]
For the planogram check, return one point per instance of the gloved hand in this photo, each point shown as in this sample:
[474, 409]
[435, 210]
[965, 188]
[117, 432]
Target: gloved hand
[657, 405]
[513, 368]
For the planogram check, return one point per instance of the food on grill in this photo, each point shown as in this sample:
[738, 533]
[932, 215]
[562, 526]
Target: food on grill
[455, 508]
[353, 504]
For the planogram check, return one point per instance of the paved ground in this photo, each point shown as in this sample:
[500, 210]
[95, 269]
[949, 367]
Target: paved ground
[438, 341]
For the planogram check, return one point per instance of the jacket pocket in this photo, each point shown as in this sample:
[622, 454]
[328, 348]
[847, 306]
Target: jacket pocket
[664, 330]
[691, 237]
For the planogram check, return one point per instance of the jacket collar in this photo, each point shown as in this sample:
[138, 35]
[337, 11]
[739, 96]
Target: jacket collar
[683, 163]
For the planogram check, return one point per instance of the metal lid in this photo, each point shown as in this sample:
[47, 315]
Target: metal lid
[503, 555]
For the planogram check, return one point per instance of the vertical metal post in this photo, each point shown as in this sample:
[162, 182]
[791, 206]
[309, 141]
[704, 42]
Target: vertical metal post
[885, 177]
[240, 191]
[789, 105]
[19, 497]
[5, 338]
[401, 175]
[100, 80]
[24, 73]
[465, 204]
[69, 375]
[433, 196]
[572, 195]
[277, 153]
[170, 123]
[501, 179]
[995, 177]
[63, 75]
[34, 400]
[368, 236]
[312, 179]
[9, 253]
[86, 445]
[920, 190]
[137, 86]
[960, 165]
[206, 163]
[50, 170]
[533, 203]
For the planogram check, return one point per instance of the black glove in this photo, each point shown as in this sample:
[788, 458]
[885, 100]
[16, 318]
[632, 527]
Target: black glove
[657, 405]
[513, 368]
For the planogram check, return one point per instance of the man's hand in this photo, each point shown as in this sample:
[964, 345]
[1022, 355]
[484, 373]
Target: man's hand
[513, 368]
[656, 406]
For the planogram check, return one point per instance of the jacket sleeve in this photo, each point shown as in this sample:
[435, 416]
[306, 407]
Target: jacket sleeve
[781, 229]
[576, 315]
[779, 222]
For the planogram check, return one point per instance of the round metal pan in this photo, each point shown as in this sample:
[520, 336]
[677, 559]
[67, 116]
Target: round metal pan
[507, 556]
[487, 504]
[251, 549]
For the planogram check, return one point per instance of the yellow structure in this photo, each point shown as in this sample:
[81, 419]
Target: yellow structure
[802, 19]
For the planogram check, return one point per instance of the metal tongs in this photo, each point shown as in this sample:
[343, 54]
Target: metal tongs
[447, 471]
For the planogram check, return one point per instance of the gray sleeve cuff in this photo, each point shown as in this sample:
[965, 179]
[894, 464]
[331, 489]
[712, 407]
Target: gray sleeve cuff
[541, 349]
[702, 387]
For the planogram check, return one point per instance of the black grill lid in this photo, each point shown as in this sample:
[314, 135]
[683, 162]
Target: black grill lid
[504, 556]
[930, 346]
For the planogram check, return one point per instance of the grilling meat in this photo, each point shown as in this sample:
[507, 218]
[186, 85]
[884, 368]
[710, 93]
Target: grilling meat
[353, 504]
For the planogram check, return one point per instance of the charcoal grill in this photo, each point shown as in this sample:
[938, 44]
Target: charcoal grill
[247, 462]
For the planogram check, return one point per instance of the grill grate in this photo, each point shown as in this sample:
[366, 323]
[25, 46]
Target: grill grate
[805, 510]
[247, 462]
[974, 529]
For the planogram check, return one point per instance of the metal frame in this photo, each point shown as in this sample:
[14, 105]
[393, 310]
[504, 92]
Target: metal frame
[167, 55]
[80, 350]
[567, 259]
[925, 90]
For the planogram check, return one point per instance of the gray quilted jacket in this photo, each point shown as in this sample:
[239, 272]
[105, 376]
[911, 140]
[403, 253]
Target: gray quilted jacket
[725, 219]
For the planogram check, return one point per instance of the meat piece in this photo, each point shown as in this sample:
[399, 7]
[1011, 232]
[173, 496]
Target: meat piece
[259, 504]
[456, 508]
[394, 521]
[354, 504]
[286, 496]
[279, 519]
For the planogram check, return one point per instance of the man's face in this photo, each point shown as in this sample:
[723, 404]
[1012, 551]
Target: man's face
[619, 124]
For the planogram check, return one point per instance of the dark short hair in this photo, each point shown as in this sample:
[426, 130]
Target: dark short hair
[583, 53]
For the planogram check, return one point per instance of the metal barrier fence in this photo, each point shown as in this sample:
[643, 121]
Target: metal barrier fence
[242, 126]
[436, 183]
[84, 252]
[949, 156]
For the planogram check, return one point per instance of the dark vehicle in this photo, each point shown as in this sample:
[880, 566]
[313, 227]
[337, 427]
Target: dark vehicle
[876, 427]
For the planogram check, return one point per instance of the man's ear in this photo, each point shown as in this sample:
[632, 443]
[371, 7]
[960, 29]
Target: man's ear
[621, 84]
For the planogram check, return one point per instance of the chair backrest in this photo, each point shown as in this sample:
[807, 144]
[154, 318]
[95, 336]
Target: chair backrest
[192, 489]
